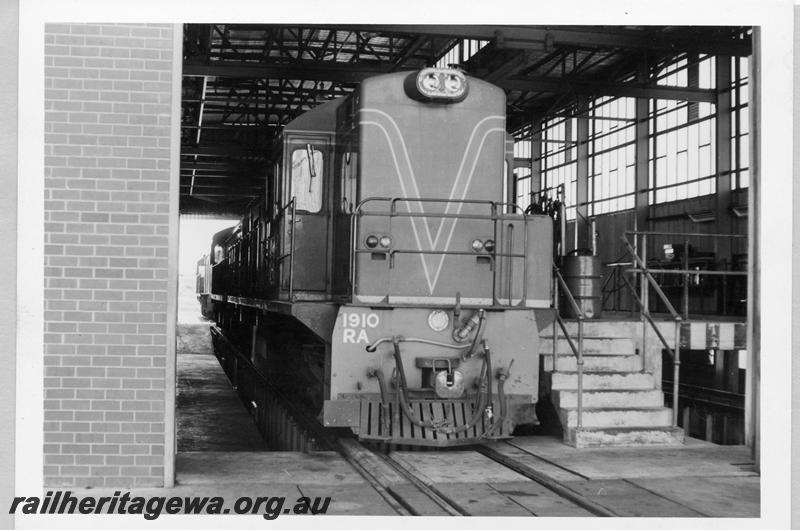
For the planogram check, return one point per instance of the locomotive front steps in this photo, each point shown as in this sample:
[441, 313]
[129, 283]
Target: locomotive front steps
[594, 363]
[591, 345]
[605, 399]
[622, 400]
[616, 417]
[603, 381]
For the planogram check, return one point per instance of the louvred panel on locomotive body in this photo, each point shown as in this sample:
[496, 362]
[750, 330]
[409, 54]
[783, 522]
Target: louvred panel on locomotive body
[434, 158]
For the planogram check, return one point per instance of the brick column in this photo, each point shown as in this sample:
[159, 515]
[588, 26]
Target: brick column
[108, 91]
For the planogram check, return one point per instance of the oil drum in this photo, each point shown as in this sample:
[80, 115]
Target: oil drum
[582, 274]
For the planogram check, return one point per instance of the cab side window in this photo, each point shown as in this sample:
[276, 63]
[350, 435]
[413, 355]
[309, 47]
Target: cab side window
[307, 172]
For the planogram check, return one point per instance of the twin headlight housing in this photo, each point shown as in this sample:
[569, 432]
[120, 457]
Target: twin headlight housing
[477, 245]
[375, 240]
[443, 85]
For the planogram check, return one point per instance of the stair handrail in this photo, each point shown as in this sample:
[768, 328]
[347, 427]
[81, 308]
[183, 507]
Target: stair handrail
[576, 350]
[674, 352]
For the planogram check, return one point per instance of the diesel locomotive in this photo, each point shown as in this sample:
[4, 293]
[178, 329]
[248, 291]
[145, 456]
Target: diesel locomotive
[387, 279]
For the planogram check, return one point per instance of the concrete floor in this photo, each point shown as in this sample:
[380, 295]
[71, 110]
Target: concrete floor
[221, 453]
[210, 416]
[698, 478]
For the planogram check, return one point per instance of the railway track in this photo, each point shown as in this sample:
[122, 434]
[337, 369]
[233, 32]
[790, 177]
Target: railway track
[405, 486]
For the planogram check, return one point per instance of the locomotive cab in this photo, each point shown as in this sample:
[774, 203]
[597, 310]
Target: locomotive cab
[303, 208]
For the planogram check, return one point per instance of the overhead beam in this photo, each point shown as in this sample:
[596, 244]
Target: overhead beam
[596, 88]
[225, 150]
[588, 37]
[302, 70]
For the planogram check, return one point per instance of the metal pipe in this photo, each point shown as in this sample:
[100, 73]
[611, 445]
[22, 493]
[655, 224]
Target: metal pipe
[510, 265]
[676, 373]
[555, 318]
[291, 251]
[580, 371]
[648, 317]
[651, 280]
[372, 347]
[570, 298]
[524, 262]
[688, 271]
[645, 285]
[685, 301]
[683, 234]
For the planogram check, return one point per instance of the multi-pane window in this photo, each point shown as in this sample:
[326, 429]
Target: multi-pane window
[682, 142]
[740, 123]
[683, 136]
[612, 154]
[522, 175]
[461, 52]
[559, 159]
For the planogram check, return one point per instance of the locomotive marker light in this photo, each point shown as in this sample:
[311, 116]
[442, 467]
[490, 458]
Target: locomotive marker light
[371, 241]
[438, 320]
[488, 245]
[385, 241]
[443, 85]
[477, 245]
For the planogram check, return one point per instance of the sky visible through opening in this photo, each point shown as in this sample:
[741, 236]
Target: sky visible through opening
[195, 241]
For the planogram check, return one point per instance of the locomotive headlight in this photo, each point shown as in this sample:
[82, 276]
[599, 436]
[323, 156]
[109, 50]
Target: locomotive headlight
[430, 83]
[371, 241]
[385, 241]
[488, 245]
[438, 320]
[453, 83]
[442, 85]
[477, 245]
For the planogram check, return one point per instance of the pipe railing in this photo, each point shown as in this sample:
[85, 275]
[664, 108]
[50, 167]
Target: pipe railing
[504, 250]
[685, 272]
[674, 352]
[291, 208]
[576, 350]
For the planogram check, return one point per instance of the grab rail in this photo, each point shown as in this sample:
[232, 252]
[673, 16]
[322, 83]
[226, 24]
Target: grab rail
[576, 350]
[494, 215]
[280, 214]
[674, 352]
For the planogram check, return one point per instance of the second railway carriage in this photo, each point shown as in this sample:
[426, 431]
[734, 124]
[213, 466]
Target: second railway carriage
[386, 279]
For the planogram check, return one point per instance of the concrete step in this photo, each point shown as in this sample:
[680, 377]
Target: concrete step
[595, 363]
[609, 398]
[591, 345]
[603, 381]
[605, 328]
[615, 417]
[624, 436]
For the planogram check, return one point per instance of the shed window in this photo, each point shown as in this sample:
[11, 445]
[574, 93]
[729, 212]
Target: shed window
[307, 171]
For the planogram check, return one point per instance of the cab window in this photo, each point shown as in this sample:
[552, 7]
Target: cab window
[307, 171]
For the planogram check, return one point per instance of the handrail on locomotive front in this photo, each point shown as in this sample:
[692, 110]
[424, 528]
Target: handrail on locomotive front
[493, 216]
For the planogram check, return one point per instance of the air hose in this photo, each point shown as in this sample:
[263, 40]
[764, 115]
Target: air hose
[502, 375]
[484, 395]
[378, 374]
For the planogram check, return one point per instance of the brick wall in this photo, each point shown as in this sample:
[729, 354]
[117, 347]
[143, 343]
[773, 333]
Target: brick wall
[107, 168]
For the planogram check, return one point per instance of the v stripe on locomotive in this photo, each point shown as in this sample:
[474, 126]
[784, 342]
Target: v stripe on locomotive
[410, 188]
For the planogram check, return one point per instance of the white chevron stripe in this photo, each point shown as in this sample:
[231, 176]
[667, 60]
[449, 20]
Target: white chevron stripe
[471, 154]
